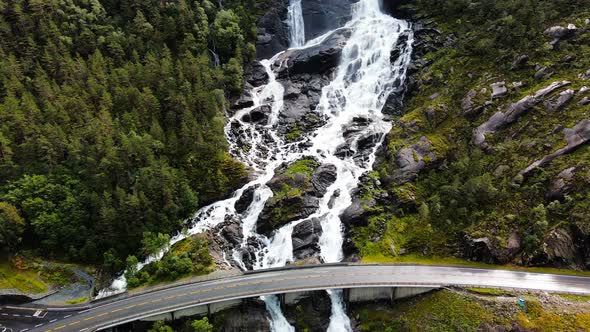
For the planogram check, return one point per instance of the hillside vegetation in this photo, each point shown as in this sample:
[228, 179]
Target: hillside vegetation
[477, 166]
[111, 119]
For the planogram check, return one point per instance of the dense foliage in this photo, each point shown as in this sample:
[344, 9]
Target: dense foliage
[111, 118]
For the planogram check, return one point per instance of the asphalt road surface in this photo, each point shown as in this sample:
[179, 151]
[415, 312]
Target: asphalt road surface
[107, 314]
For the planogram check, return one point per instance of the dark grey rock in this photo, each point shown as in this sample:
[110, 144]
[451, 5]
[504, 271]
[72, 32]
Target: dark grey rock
[322, 178]
[244, 101]
[520, 62]
[559, 33]
[543, 73]
[257, 75]
[514, 111]
[559, 102]
[321, 16]
[490, 250]
[575, 137]
[258, 115]
[246, 199]
[356, 214]
[561, 185]
[273, 31]
[313, 60]
[305, 238]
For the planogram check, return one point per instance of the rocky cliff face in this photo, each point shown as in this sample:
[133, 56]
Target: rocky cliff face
[486, 159]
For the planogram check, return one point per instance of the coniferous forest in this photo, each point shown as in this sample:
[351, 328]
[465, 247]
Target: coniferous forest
[111, 119]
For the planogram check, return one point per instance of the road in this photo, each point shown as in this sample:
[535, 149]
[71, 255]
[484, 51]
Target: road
[107, 314]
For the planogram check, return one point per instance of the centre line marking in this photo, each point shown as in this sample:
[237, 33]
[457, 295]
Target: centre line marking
[157, 300]
[59, 328]
[103, 314]
[142, 303]
[76, 322]
[131, 306]
[90, 318]
[116, 310]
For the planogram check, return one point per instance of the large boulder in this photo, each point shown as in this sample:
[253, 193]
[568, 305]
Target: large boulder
[317, 59]
[306, 237]
[411, 160]
[559, 249]
[297, 188]
[242, 204]
[321, 16]
[490, 250]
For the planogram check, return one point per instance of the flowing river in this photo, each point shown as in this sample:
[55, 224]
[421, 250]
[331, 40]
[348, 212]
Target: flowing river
[363, 80]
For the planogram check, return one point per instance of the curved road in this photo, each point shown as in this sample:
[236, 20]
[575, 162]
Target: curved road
[103, 315]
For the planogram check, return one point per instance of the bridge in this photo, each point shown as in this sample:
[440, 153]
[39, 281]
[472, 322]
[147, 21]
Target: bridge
[360, 281]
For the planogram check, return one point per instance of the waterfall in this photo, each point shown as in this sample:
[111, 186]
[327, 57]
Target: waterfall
[296, 25]
[362, 82]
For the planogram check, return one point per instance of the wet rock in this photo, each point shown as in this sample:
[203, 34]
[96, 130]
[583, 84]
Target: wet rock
[400, 47]
[258, 115]
[313, 60]
[246, 199]
[344, 151]
[520, 62]
[248, 252]
[322, 178]
[273, 31]
[575, 137]
[556, 104]
[499, 89]
[561, 185]
[257, 75]
[321, 16]
[244, 101]
[305, 238]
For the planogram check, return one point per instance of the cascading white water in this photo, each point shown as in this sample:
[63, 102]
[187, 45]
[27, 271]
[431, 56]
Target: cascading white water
[296, 25]
[363, 80]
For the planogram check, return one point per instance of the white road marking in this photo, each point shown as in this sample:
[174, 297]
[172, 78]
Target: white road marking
[23, 330]
[84, 329]
[53, 320]
[16, 315]
[68, 316]
[38, 325]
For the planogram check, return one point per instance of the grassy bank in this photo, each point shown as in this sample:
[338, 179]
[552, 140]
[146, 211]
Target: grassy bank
[453, 261]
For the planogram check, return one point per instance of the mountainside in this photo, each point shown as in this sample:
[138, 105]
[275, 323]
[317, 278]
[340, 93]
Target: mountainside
[111, 120]
[488, 157]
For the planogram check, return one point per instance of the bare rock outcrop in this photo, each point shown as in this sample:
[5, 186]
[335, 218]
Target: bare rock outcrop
[575, 137]
[514, 111]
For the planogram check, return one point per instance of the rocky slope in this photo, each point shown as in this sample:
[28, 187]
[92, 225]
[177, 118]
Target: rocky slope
[488, 157]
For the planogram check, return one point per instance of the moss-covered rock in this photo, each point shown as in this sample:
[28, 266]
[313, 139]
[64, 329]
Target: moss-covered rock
[297, 188]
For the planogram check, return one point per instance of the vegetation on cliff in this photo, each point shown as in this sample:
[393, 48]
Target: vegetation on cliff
[451, 195]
